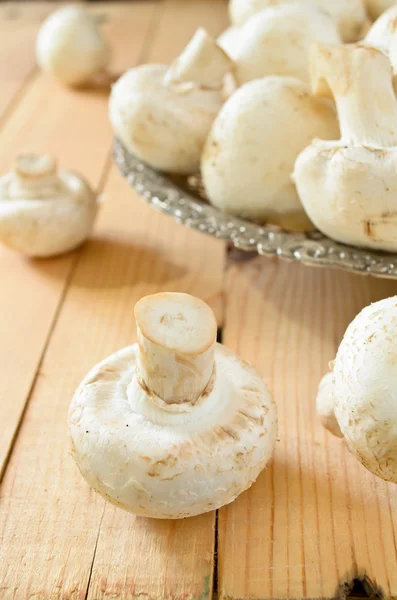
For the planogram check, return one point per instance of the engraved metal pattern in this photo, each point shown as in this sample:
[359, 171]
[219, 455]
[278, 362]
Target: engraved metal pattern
[313, 249]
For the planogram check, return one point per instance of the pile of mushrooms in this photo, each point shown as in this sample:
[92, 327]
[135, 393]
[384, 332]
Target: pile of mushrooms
[174, 425]
[357, 400]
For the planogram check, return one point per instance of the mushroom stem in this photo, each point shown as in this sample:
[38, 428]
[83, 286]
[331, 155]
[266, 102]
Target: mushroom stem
[360, 80]
[35, 176]
[202, 62]
[176, 340]
[34, 166]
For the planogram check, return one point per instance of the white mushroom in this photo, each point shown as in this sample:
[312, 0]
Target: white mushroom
[383, 35]
[364, 391]
[70, 46]
[228, 39]
[349, 187]
[325, 405]
[277, 41]
[163, 115]
[350, 15]
[376, 7]
[175, 425]
[44, 211]
[250, 152]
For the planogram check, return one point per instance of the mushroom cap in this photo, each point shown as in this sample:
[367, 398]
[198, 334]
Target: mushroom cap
[376, 7]
[350, 192]
[171, 460]
[163, 125]
[365, 393]
[44, 212]
[251, 150]
[277, 41]
[70, 45]
[350, 15]
[325, 405]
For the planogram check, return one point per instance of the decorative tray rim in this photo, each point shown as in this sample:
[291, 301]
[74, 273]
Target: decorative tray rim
[311, 249]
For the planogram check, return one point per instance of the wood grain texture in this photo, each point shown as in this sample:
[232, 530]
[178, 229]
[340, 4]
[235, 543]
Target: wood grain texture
[315, 518]
[74, 127]
[60, 540]
[18, 30]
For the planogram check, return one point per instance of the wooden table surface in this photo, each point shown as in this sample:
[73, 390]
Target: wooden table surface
[314, 520]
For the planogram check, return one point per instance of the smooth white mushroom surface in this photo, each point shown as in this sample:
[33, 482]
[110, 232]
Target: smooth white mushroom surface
[175, 425]
[349, 187]
[325, 405]
[163, 114]
[228, 40]
[44, 211]
[383, 35]
[250, 152]
[376, 7]
[277, 41]
[350, 15]
[70, 46]
[364, 390]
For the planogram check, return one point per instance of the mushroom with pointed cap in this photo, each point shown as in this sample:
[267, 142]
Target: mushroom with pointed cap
[163, 115]
[44, 211]
[277, 41]
[349, 187]
[251, 150]
[376, 7]
[70, 46]
[349, 15]
[362, 388]
[175, 425]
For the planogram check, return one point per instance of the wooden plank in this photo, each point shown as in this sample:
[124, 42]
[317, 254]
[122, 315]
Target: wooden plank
[49, 519]
[74, 126]
[316, 518]
[19, 25]
[59, 538]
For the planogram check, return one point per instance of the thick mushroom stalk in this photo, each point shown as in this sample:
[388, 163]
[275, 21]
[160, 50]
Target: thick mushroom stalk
[359, 78]
[325, 405]
[383, 35]
[34, 175]
[349, 188]
[176, 340]
[203, 63]
[175, 425]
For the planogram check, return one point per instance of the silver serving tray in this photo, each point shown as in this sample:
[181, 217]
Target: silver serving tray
[183, 199]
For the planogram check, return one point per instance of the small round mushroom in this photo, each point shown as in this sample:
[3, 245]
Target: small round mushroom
[277, 40]
[376, 7]
[70, 46]
[44, 211]
[250, 152]
[175, 425]
[364, 391]
[349, 187]
[163, 115]
[350, 15]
